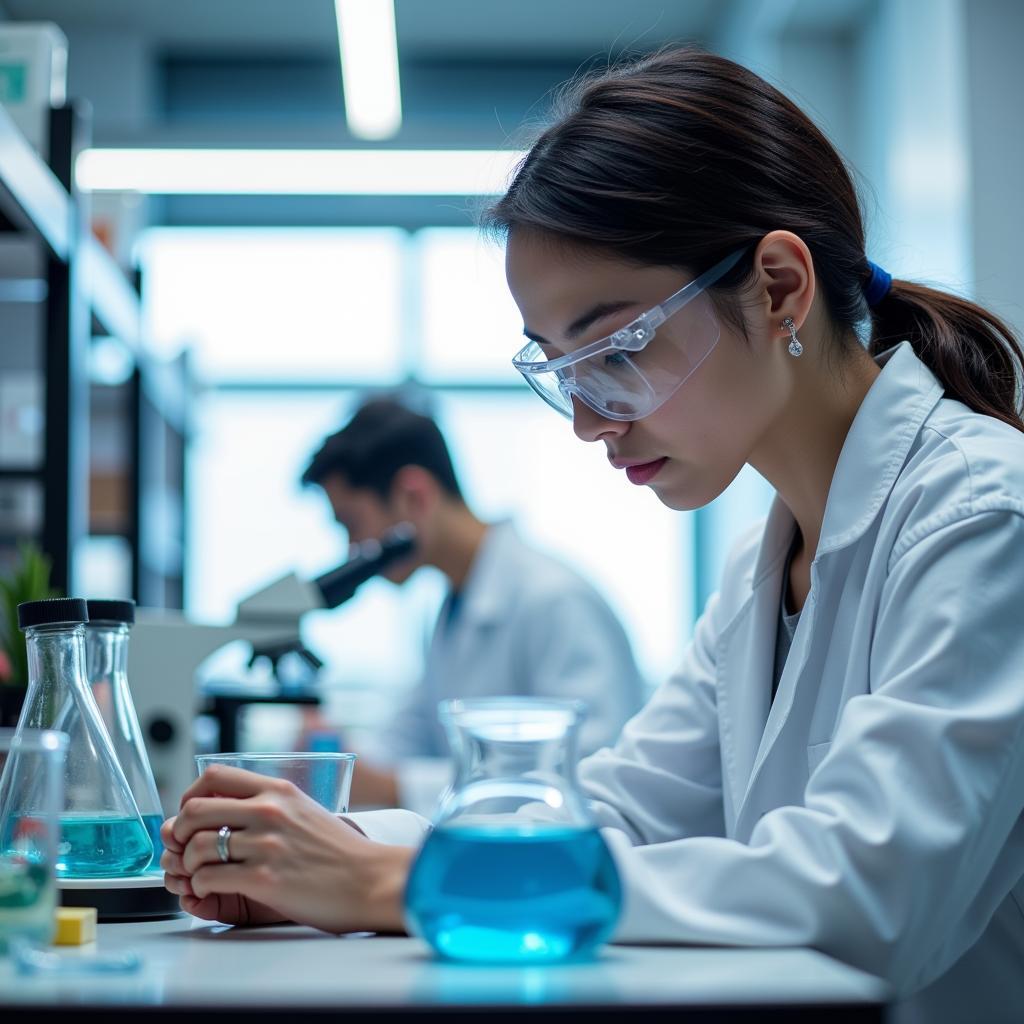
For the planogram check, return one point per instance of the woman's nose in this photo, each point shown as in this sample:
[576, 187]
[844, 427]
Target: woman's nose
[591, 426]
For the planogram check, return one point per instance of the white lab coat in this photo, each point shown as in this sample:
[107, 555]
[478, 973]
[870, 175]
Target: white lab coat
[874, 811]
[526, 625]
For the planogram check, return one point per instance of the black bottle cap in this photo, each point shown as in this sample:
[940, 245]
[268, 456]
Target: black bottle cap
[111, 611]
[53, 611]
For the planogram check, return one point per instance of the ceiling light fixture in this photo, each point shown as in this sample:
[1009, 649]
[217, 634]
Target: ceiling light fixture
[369, 67]
[364, 172]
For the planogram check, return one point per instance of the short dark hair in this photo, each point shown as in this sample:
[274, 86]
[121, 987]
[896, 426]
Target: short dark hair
[381, 438]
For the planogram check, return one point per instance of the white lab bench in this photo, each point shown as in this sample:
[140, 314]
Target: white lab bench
[197, 971]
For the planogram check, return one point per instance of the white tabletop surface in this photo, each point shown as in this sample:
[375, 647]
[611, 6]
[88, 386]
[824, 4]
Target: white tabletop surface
[188, 962]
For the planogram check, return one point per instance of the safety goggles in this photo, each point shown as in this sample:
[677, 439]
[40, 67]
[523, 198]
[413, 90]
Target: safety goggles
[624, 376]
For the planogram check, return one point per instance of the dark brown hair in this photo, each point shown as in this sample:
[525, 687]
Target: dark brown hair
[682, 157]
[383, 437]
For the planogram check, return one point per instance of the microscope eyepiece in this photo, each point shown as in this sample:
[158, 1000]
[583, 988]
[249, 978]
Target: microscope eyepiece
[371, 558]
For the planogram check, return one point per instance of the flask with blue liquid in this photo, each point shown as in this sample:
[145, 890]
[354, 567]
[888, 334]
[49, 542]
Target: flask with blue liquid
[515, 869]
[101, 831]
[107, 635]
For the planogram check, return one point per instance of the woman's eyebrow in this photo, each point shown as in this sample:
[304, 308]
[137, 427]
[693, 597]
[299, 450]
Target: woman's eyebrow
[588, 319]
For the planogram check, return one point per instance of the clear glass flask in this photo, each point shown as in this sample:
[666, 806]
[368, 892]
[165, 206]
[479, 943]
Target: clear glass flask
[102, 834]
[515, 869]
[106, 657]
[31, 770]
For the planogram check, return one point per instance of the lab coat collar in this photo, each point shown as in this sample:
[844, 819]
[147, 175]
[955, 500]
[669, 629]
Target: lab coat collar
[876, 447]
[485, 595]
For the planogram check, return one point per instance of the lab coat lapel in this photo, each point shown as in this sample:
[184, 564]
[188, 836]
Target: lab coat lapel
[745, 665]
[875, 449]
[485, 598]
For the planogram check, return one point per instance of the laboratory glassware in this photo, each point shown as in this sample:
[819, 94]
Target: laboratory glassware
[326, 776]
[31, 767]
[102, 833]
[107, 635]
[515, 869]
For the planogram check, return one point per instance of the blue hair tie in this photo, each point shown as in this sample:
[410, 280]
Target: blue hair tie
[878, 285]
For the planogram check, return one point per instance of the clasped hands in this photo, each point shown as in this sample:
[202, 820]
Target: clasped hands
[290, 859]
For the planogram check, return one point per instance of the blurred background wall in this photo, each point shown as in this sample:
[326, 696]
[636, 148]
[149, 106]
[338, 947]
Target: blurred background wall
[290, 307]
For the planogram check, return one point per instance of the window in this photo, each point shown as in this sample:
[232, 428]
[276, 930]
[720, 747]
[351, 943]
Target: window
[277, 305]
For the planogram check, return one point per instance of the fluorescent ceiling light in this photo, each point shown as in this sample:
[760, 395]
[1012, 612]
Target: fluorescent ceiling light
[326, 172]
[369, 67]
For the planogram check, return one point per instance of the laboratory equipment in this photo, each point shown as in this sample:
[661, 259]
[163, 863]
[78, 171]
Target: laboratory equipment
[326, 776]
[106, 657]
[167, 649]
[102, 833]
[515, 869]
[31, 767]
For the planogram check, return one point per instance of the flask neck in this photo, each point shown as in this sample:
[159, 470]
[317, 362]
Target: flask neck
[497, 778]
[481, 758]
[106, 652]
[56, 655]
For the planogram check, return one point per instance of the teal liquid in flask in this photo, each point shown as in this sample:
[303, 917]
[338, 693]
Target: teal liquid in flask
[102, 834]
[514, 871]
[107, 636]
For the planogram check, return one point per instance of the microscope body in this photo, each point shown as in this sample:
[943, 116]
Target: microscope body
[165, 653]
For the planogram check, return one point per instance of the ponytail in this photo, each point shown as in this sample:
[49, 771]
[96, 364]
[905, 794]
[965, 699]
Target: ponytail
[974, 354]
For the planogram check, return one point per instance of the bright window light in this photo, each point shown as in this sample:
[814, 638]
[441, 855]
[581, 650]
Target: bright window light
[328, 172]
[369, 67]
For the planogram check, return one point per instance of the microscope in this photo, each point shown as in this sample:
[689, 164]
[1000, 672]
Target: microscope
[167, 649]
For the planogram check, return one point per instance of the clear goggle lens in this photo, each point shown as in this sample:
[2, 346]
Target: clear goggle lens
[620, 384]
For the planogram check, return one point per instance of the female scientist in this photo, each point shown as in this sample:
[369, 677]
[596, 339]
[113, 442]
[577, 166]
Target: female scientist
[839, 761]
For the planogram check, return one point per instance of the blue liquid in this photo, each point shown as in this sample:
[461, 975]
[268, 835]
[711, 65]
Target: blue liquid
[525, 895]
[153, 823]
[98, 847]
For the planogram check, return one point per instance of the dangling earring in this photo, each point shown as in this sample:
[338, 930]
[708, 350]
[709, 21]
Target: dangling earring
[795, 348]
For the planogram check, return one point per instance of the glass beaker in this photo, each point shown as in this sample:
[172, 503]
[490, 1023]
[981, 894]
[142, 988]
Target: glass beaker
[102, 834]
[106, 658]
[515, 868]
[325, 776]
[32, 766]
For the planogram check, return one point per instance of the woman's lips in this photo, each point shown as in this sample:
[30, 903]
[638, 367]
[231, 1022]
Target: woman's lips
[645, 471]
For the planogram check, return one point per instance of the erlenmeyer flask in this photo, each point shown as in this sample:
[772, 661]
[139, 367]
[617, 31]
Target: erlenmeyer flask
[106, 662]
[102, 834]
[515, 869]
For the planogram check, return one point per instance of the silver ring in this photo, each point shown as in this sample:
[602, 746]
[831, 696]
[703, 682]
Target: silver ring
[223, 838]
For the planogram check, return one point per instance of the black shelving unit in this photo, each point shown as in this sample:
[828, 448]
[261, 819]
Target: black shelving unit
[77, 293]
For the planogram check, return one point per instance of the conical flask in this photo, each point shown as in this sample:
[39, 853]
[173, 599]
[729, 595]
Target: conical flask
[106, 661]
[101, 831]
[515, 868]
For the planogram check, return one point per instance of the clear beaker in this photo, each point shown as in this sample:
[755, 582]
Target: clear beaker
[102, 834]
[106, 658]
[325, 776]
[31, 765]
[515, 869]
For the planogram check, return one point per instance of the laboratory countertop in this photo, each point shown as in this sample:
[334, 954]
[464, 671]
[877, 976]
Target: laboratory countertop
[196, 970]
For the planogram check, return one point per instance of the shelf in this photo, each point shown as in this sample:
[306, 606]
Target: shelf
[33, 199]
[114, 302]
[31, 196]
[80, 290]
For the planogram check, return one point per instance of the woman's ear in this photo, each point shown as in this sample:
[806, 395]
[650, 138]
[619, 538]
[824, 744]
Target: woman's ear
[785, 281]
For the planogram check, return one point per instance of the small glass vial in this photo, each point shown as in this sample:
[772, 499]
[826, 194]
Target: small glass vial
[102, 834]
